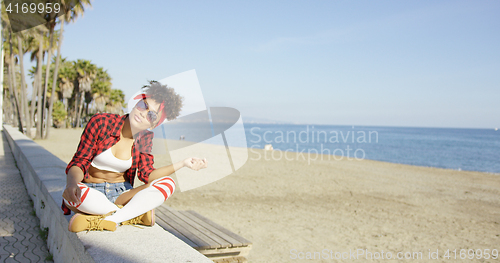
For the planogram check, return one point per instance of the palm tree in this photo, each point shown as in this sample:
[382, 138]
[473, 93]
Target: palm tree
[101, 88]
[33, 47]
[14, 22]
[13, 84]
[22, 43]
[73, 80]
[116, 102]
[38, 44]
[69, 15]
[52, 35]
[86, 74]
[39, 65]
[10, 63]
[17, 22]
[59, 114]
[66, 79]
[9, 96]
[71, 9]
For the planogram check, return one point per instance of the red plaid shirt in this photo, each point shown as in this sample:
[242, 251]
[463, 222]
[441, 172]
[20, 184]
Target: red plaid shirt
[102, 132]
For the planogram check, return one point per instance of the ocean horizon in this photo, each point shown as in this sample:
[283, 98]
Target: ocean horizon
[470, 149]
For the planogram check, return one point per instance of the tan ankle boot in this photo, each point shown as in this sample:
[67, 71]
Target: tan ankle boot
[80, 222]
[146, 219]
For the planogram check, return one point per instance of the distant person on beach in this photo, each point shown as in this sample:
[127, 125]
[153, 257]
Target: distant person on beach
[112, 150]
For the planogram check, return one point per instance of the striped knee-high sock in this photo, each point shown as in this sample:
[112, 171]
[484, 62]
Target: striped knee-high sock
[151, 197]
[92, 202]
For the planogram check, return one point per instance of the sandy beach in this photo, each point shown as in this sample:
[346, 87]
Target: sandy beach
[291, 209]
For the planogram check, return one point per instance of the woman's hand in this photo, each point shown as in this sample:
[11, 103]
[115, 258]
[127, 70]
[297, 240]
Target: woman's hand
[72, 193]
[196, 163]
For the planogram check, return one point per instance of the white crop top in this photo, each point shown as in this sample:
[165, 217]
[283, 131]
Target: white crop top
[108, 162]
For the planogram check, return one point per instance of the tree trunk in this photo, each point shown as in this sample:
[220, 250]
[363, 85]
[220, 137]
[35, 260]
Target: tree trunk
[34, 94]
[14, 86]
[10, 96]
[75, 110]
[13, 95]
[54, 78]
[46, 84]
[65, 102]
[87, 109]
[7, 106]
[79, 115]
[24, 95]
[39, 105]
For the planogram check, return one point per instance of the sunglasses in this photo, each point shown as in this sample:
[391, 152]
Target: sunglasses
[152, 116]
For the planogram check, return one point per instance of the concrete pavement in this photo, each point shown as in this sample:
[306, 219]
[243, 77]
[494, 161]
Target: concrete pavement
[21, 239]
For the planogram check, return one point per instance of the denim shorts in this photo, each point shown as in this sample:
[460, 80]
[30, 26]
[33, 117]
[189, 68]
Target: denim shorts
[111, 190]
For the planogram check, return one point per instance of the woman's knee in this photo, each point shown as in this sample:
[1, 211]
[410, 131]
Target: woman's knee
[84, 190]
[165, 185]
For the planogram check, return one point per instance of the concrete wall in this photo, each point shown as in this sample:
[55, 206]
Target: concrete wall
[45, 179]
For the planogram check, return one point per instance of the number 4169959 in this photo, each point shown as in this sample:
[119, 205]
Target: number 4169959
[40, 8]
[471, 254]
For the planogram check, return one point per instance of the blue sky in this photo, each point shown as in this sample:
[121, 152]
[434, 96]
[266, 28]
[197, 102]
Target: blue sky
[389, 63]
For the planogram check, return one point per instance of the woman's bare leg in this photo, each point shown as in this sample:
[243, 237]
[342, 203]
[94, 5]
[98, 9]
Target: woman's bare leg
[124, 198]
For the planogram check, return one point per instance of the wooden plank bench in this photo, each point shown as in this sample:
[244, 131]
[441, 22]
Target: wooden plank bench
[204, 235]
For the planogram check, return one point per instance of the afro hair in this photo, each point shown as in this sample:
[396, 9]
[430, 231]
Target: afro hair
[166, 95]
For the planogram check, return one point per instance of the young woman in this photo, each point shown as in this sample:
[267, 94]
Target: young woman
[112, 150]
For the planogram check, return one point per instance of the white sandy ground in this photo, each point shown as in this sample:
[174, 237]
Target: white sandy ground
[287, 207]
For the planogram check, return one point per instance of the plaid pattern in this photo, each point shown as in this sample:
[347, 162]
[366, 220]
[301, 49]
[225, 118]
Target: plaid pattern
[102, 132]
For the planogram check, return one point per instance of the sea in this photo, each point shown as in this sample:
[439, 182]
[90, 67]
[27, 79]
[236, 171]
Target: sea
[450, 148]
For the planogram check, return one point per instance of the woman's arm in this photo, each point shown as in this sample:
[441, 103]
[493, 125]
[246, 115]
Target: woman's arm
[193, 163]
[83, 155]
[72, 192]
[147, 173]
[81, 160]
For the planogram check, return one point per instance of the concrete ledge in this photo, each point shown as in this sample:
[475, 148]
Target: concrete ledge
[45, 179]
